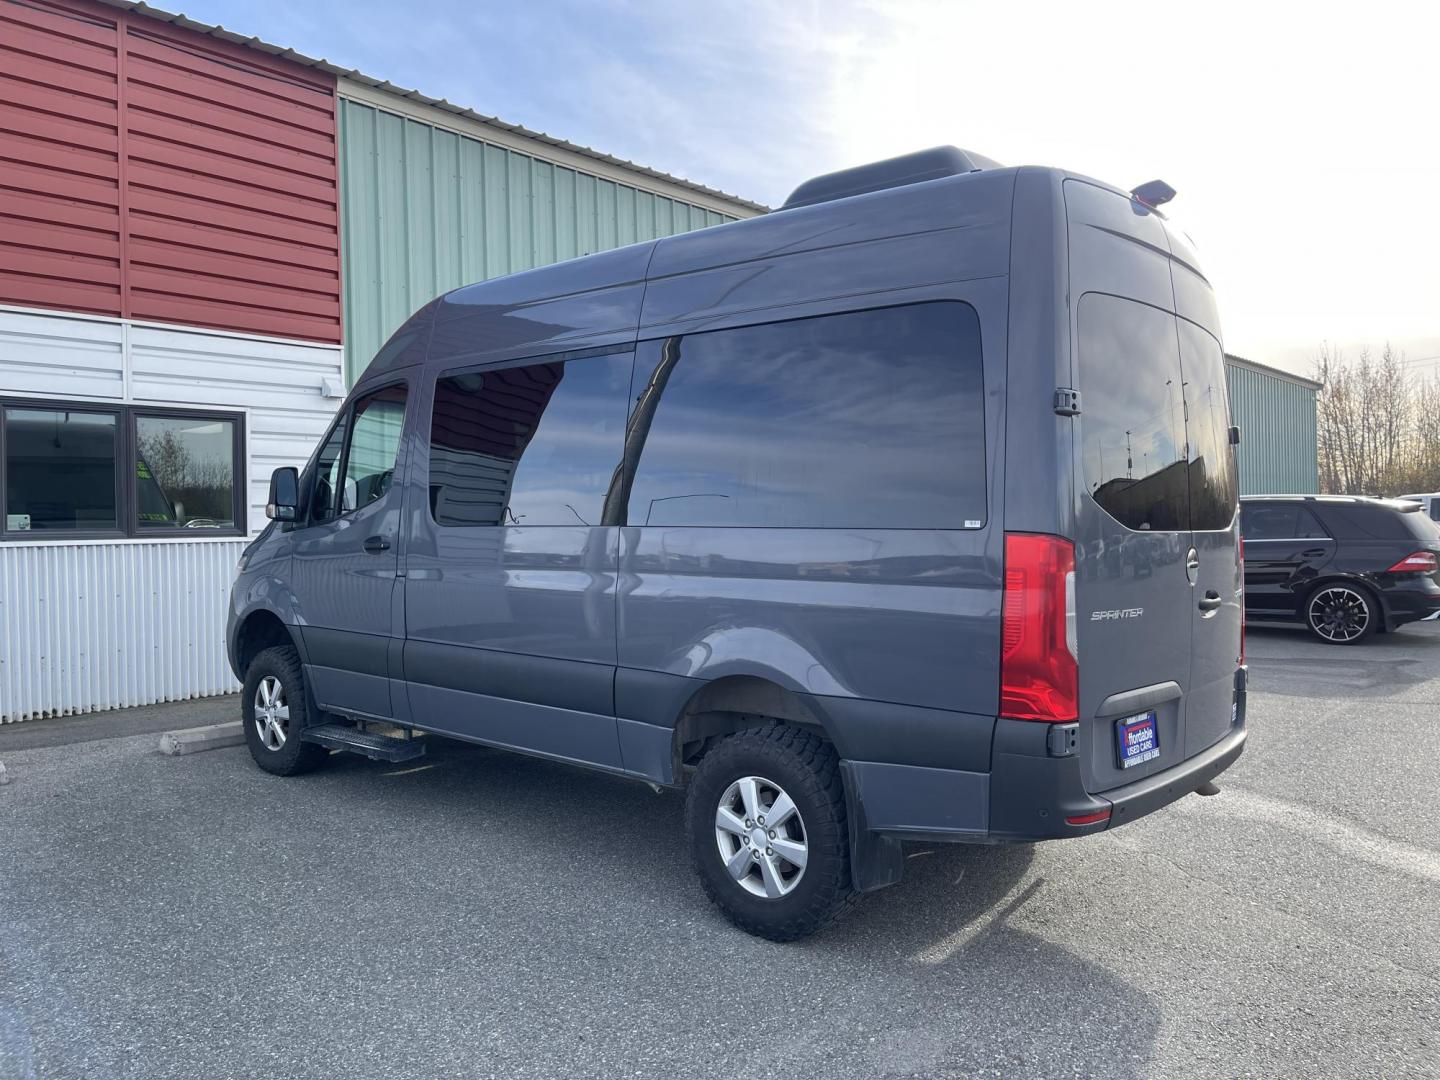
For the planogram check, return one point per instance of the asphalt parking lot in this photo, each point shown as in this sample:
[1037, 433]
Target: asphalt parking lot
[479, 914]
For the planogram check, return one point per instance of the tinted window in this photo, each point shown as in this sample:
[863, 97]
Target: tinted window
[1133, 420]
[327, 474]
[1377, 521]
[184, 472]
[374, 442]
[60, 470]
[1213, 485]
[1279, 521]
[532, 445]
[868, 419]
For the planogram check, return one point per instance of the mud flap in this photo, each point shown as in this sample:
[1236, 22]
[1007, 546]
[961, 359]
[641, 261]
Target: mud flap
[875, 861]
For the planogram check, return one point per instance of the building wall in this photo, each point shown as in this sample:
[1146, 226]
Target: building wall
[426, 209]
[1276, 416]
[148, 173]
[99, 624]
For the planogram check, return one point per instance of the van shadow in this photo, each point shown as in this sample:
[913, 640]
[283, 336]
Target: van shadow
[929, 977]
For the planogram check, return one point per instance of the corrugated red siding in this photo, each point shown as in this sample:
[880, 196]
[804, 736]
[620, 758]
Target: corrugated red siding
[153, 173]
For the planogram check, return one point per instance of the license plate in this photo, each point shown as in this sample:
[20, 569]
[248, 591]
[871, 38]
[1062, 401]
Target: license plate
[1137, 739]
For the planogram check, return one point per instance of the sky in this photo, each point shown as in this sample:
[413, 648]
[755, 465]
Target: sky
[1303, 139]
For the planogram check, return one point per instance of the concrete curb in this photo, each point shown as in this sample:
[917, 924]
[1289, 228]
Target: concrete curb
[193, 740]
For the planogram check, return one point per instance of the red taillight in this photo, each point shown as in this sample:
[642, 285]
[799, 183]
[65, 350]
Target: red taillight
[1039, 679]
[1417, 562]
[1088, 819]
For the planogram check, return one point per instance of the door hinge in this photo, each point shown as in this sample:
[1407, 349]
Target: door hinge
[1067, 401]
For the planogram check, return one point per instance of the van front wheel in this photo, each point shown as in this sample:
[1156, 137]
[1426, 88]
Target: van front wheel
[765, 817]
[273, 711]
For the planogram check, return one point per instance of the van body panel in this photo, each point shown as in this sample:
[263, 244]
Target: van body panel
[592, 302]
[1036, 487]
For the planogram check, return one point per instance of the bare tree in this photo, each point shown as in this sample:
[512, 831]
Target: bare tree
[1377, 425]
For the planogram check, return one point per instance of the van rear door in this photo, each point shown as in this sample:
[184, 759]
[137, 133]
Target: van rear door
[1217, 600]
[1132, 539]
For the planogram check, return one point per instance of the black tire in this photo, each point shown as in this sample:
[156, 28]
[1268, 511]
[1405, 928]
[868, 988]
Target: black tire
[1330, 604]
[291, 756]
[806, 768]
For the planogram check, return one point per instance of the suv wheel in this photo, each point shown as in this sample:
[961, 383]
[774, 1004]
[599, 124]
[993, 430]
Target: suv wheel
[273, 710]
[1341, 614]
[765, 817]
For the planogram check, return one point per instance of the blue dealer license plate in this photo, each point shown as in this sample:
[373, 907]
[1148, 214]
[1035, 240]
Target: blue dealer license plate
[1137, 739]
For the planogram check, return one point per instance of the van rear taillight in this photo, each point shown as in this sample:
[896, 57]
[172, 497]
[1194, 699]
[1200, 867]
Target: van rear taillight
[1422, 562]
[1039, 677]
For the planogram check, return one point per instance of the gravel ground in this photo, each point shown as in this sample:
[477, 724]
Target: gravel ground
[479, 914]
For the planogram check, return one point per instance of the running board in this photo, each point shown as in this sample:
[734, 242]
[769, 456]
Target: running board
[375, 747]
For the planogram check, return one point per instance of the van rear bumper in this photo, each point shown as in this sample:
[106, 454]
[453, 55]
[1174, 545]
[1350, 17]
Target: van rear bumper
[1028, 795]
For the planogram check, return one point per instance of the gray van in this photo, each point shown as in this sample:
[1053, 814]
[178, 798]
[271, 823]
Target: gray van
[907, 512]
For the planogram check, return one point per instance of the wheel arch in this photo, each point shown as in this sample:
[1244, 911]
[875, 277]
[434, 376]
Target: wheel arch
[735, 703]
[261, 629]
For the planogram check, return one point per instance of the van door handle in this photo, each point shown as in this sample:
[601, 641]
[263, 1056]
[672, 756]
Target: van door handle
[1211, 603]
[376, 544]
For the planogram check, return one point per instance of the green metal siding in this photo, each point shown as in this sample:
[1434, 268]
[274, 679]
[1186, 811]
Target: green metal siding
[1277, 432]
[424, 210]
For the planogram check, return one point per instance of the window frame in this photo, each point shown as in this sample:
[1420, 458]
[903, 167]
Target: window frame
[127, 518]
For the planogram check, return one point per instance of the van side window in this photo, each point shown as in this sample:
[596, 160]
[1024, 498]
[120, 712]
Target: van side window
[869, 419]
[1133, 424]
[1213, 483]
[530, 445]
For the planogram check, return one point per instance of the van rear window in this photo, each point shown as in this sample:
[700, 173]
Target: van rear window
[1133, 419]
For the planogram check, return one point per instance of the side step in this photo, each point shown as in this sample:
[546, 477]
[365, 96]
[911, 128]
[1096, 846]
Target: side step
[375, 747]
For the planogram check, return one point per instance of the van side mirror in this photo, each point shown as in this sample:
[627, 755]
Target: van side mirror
[1234, 435]
[284, 501]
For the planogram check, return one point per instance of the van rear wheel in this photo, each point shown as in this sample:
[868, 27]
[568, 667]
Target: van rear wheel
[765, 818]
[273, 708]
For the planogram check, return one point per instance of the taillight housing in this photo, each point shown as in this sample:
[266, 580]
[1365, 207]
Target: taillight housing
[1039, 675]
[1417, 562]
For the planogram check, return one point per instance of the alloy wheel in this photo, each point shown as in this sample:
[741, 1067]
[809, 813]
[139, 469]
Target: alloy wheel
[761, 837]
[1339, 614]
[272, 713]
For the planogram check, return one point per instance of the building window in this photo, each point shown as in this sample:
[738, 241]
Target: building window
[184, 472]
[76, 469]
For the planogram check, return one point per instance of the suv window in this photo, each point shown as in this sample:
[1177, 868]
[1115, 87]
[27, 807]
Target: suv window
[1377, 521]
[530, 445]
[868, 419]
[1279, 521]
[1133, 421]
[1213, 484]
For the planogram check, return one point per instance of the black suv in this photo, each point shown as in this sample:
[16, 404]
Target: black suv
[1347, 567]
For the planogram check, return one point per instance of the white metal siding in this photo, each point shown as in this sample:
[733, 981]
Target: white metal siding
[90, 625]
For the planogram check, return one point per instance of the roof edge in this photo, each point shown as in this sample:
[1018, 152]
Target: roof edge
[1273, 372]
[220, 33]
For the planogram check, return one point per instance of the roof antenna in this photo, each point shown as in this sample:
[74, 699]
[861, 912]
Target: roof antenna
[1154, 193]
